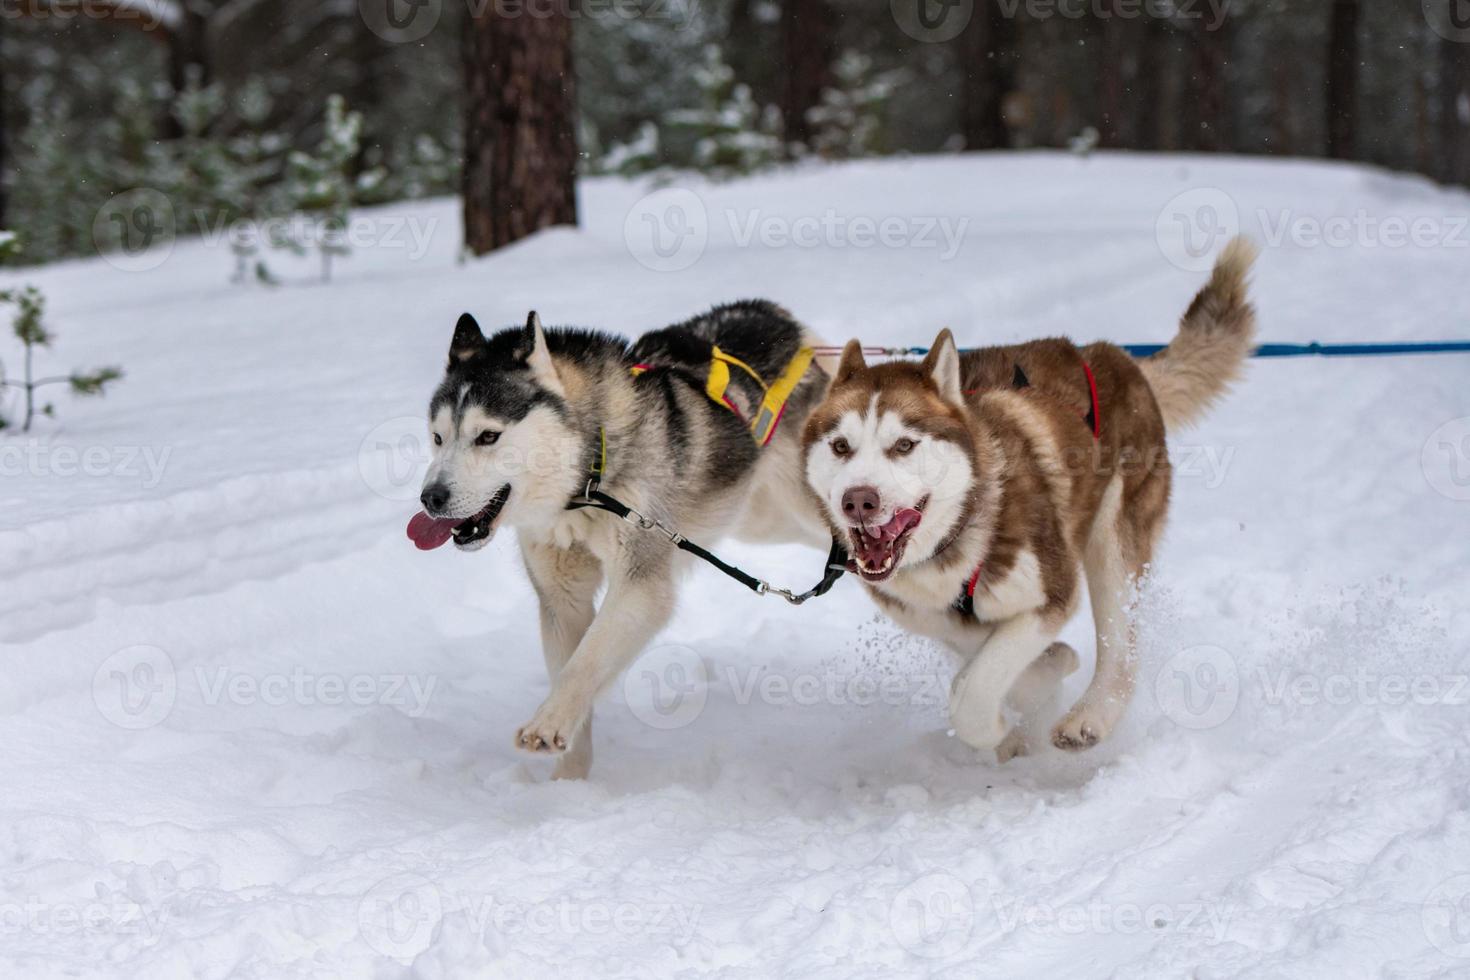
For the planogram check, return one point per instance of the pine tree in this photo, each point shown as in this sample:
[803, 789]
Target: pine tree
[732, 135]
[256, 163]
[639, 155]
[320, 185]
[849, 120]
[30, 329]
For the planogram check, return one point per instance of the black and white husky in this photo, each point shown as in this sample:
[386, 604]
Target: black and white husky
[672, 425]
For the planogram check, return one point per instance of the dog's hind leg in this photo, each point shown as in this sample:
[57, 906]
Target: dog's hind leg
[565, 580]
[1117, 552]
[1036, 688]
[639, 602]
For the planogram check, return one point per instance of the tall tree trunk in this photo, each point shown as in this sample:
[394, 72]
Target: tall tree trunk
[1342, 80]
[1122, 39]
[188, 56]
[4, 146]
[1283, 109]
[987, 51]
[1146, 94]
[1453, 165]
[1209, 61]
[366, 91]
[520, 148]
[1174, 109]
[807, 52]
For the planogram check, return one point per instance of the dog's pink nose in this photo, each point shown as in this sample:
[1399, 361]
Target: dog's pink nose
[861, 503]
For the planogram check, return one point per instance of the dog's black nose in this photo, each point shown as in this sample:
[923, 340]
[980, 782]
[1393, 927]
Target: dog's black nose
[861, 503]
[435, 498]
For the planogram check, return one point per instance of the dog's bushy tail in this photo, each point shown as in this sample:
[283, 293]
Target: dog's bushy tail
[1215, 337]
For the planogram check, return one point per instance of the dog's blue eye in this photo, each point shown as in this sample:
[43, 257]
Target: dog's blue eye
[904, 446]
[487, 438]
[841, 447]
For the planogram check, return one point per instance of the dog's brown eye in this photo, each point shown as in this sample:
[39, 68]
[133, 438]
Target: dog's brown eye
[840, 447]
[438, 439]
[487, 438]
[904, 446]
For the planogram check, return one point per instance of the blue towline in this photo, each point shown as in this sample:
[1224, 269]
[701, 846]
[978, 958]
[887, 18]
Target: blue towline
[1312, 349]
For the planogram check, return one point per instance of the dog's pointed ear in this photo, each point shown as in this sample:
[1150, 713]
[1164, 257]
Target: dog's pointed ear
[852, 363]
[942, 364]
[543, 368]
[468, 340]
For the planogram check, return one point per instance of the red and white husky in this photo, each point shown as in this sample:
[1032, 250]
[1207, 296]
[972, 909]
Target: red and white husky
[975, 490]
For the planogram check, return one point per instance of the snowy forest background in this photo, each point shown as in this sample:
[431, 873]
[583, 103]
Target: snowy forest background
[256, 109]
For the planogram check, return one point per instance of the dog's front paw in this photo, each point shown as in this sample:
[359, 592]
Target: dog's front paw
[546, 732]
[1083, 728]
[975, 717]
[534, 739]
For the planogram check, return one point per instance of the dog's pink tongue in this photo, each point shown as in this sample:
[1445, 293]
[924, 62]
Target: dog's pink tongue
[902, 521]
[428, 533]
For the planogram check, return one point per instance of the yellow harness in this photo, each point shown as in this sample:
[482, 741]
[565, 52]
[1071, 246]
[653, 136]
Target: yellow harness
[773, 403]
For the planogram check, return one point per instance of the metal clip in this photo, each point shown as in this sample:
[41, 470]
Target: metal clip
[766, 588]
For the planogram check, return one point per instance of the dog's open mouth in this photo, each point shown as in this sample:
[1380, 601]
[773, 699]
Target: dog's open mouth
[428, 533]
[878, 548]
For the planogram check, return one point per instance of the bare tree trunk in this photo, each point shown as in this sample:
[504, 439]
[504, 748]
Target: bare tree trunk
[366, 92]
[1423, 130]
[520, 116]
[1122, 39]
[4, 146]
[187, 55]
[1210, 57]
[1342, 80]
[1146, 92]
[1283, 114]
[987, 52]
[807, 49]
[1453, 165]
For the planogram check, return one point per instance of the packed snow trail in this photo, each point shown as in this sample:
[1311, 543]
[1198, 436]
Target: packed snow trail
[252, 732]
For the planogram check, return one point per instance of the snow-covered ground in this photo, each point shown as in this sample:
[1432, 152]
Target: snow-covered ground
[249, 731]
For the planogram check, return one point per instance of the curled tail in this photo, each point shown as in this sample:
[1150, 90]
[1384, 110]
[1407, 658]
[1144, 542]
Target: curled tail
[1215, 337]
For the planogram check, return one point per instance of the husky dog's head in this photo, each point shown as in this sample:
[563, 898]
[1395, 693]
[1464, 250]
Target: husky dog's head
[892, 458]
[503, 451]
